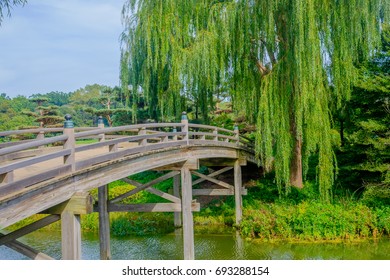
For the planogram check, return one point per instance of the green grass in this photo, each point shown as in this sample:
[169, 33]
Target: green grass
[300, 215]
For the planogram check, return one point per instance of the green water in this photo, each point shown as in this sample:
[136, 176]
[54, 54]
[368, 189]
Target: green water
[226, 246]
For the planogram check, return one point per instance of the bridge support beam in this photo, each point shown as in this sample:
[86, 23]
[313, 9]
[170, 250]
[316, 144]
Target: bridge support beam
[104, 224]
[188, 221]
[71, 236]
[237, 191]
[176, 192]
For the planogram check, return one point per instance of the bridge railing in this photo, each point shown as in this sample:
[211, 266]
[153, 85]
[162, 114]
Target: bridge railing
[107, 144]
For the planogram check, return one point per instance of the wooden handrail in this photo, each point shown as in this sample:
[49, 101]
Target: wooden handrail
[148, 137]
[209, 127]
[33, 144]
[125, 128]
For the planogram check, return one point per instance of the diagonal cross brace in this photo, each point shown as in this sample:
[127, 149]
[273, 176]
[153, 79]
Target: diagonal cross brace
[215, 181]
[147, 187]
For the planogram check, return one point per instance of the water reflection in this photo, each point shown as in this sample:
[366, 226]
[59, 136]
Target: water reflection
[222, 246]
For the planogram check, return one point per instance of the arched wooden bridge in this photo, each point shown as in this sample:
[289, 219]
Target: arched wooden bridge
[52, 175]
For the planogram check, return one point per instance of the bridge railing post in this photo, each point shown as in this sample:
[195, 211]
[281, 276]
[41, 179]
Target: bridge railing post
[184, 120]
[101, 136]
[40, 136]
[215, 132]
[174, 130]
[142, 131]
[236, 134]
[70, 143]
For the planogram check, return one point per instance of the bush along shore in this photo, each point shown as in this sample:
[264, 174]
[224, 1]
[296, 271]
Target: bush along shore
[266, 216]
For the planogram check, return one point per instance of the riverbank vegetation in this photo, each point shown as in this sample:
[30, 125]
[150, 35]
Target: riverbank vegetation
[314, 98]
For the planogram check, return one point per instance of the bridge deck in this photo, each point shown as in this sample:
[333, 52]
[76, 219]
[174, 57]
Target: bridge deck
[52, 173]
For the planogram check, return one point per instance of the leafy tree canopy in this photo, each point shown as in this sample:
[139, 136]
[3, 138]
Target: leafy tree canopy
[281, 61]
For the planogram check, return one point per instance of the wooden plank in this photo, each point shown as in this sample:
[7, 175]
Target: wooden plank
[176, 192]
[209, 127]
[212, 175]
[151, 207]
[237, 191]
[6, 189]
[215, 181]
[104, 223]
[126, 152]
[213, 135]
[216, 192]
[33, 144]
[221, 162]
[28, 229]
[34, 160]
[212, 192]
[29, 153]
[80, 203]
[164, 195]
[141, 187]
[26, 250]
[30, 131]
[71, 236]
[187, 217]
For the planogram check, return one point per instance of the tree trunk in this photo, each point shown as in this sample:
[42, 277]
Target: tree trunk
[296, 179]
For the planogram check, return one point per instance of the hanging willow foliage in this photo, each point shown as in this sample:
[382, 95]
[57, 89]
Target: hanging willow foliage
[283, 62]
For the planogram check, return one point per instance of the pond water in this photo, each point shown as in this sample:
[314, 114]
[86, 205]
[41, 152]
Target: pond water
[225, 246]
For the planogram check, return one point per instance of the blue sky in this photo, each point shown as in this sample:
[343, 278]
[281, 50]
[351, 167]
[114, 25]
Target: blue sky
[54, 45]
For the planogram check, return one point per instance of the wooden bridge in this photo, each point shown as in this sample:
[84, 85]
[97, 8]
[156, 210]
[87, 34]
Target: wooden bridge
[52, 175]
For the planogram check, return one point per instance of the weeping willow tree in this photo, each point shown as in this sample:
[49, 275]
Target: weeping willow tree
[283, 63]
[6, 7]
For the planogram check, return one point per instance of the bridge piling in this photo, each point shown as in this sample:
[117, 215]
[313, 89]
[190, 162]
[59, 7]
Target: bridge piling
[104, 223]
[188, 221]
[238, 191]
[176, 192]
[71, 236]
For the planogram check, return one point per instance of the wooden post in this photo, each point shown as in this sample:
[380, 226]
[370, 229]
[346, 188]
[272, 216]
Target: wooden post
[142, 131]
[104, 224]
[184, 120]
[102, 136]
[71, 236]
[237, 191]
[71, 142]
[236, 134]
[40, 136]
[176, 192]
[215, 132]
[188, 222]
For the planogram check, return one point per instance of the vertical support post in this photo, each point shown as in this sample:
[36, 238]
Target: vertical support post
[236, 134]
[184, 120]
[176, 192]
[40, 136]
[215, 132]
[102, 136]
[174, 138]
[237, 191]
[104, 223]
[71, 236]
[70, 143]
[142, 131]
[188, 222]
